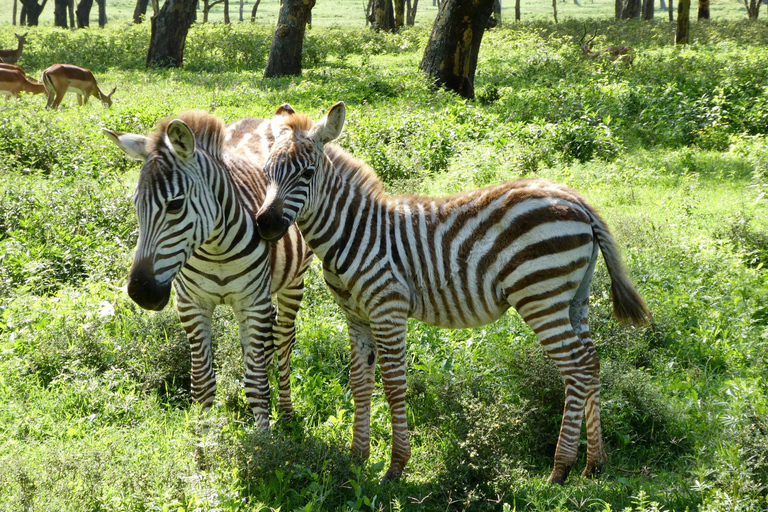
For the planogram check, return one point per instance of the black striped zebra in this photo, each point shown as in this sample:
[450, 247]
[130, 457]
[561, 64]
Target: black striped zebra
[456, 261]
[197, 195]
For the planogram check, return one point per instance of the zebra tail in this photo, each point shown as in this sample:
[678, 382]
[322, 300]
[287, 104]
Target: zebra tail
[628, 305]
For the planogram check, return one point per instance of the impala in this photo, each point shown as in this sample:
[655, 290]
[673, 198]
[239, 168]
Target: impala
[11, 56]
[13, 67]
[60, 78]
[13, 82]
[617, 53]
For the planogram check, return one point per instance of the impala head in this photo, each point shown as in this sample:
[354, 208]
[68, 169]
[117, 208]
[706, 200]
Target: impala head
[22, 38]
[295, 159]
[106, 99]
[176, 207]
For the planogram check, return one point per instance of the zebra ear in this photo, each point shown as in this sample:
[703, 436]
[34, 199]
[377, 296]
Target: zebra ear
[278, 120]
[181, 138]
[329, 127]
[135, 146]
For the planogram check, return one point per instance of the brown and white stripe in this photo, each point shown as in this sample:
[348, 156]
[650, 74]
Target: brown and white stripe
[198, 192]
[457, 261]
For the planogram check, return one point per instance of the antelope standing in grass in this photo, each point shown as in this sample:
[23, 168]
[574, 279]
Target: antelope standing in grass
[12, 56]
[12, 82]
[60, 78]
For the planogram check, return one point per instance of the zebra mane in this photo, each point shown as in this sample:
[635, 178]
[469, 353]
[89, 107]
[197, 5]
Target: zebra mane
[355, 171]
[207, 128]
[298, 122]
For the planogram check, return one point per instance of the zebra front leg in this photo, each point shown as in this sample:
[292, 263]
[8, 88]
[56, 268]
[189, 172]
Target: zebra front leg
[389, 333]
[362, 377]
[196, 321]
[288, 301]
[255, 335]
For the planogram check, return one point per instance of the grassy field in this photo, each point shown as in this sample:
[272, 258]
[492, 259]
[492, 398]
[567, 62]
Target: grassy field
[95, 412]
[351, 13]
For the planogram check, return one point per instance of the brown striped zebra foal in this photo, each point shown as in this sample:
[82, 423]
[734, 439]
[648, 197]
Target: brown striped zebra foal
[456, 261]
[197, 196]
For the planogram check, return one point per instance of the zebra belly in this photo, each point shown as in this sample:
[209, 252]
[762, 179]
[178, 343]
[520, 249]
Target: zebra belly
[211, 284]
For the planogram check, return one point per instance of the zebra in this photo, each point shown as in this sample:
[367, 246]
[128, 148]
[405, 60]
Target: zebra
[456, 261]
[198, 191]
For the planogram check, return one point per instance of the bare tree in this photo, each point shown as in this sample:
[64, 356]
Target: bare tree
[630, 9]
[60, 13]
[753, 8]
[84, 13]
[450, 57]
[383, 16]
[517, 10]
[648, 8]
[140, 11]
[671, 11]
[410, 12]
[169, 33]
[242, 2]
[288, 40]
[554, 9]
[683, 22]
[399, 6]
[703, 10]
[253, 12]
[102, 12]
[31, 11]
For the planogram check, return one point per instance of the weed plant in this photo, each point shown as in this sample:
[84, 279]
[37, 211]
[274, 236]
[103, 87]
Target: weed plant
[95, 410]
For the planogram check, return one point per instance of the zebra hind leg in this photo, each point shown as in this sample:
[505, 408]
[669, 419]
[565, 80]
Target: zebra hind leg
[362, 374]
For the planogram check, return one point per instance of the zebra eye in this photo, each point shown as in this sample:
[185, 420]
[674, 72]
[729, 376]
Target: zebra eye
[308, 172]
[175, 205]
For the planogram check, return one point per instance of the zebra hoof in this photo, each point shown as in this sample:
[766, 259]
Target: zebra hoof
[392, 475]
[590, 471]
[559, 474]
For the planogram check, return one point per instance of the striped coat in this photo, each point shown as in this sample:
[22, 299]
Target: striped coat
[457, 261]
[197, 195]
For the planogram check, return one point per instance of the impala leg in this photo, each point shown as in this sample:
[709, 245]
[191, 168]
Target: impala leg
[51, 98]
[255, 336]
[389, 333]
[284, 330]
[362, 373]
[196, 321]
[80, 100]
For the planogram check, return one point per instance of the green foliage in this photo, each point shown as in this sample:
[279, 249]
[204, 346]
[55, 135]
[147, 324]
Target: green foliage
[94, 393]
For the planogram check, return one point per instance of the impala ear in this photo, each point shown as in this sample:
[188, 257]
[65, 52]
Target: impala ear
[113, 92]
[135, 146]
[278, 120]
[182, 139]
[329, 127]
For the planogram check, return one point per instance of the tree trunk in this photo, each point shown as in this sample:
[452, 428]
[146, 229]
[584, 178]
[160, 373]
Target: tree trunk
[255, 8]
[703, 10]
[31, 12]
[383, 16]
[410, 13]
[648, 9]
[288, 41]
[753, 8]
[683, 23]
[399, 6]
[84, 13]
[226, 12]
[71, 11]
[496, 12]
[60, 13]
[242, 3]
[630, 9]
[554, 9]
[671, 11]
[517, 10]
[155, 7]
[102, 12]
[169, 33]
[450, 57]
[140, 11]
[662, 5]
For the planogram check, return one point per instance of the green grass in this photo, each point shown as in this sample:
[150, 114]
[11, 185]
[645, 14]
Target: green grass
[95, 410]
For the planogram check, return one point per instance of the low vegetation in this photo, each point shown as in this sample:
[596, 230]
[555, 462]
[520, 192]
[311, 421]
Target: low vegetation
[95, 412]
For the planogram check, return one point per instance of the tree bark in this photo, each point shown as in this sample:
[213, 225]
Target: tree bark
[169, 33]
[102, 12]
[242, 3]
[648, 8]
[703, 10]
[288, 40]
[683, 22]
[383, 16]
[84, 13]
[496, 12]
[255, 8]
[71, 11]
[60, 13]
[399, 6]
[671, 11]
[662, 5]
[31, 12]
[410, 12]
[450, 57]
[140, 11]
[226, 12]
[753, 8]
[630, 9]
[517, 10]
[554, 9]
[15, 2]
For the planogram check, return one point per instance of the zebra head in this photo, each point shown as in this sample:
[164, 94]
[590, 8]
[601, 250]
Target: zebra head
[177, 210]
[294, 161]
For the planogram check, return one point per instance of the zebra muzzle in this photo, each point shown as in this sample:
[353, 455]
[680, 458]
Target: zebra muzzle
[144, 289]
[271, 224]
